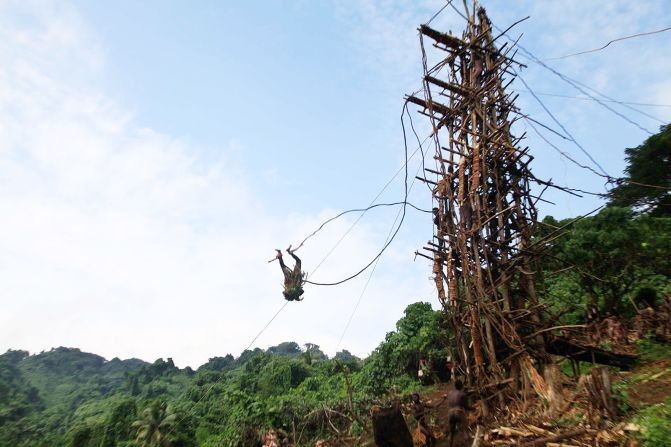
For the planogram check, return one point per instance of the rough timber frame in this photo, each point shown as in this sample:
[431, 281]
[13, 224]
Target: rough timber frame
[482, 251]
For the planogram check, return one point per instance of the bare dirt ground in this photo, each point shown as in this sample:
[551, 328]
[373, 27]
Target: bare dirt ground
[652, 384]
[647, 384]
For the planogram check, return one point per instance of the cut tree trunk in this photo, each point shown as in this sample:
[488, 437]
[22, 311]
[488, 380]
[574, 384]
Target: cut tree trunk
[599, 390]
[389, 428]
[592, 354]
[553, 379]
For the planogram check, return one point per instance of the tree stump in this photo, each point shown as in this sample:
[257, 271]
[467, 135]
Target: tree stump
[553, 380]
[600, 393]
[389, 427]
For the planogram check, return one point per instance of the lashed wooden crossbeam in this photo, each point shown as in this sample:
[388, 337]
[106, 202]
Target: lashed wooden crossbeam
[446, 39]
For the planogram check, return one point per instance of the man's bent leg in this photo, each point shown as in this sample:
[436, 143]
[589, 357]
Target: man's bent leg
[297, 267]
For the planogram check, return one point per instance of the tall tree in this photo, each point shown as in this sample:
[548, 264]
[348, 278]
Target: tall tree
[607, 257]
[118, 426]
[153, 425]
[288, 348]
[647, 185]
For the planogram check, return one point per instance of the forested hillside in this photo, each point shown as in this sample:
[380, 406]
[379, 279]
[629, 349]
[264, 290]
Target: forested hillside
[68, 397]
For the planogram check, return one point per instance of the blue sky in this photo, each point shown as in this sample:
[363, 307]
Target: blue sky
[153, 154]
[280, 79]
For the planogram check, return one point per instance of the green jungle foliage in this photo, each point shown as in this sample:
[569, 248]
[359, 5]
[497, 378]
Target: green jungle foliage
[71, 398]
[655, 422]
[619, 259]
[647, 164]
[614, 261]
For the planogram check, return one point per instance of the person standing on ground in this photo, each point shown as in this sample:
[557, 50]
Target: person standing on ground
[419, 410]
[456, 415]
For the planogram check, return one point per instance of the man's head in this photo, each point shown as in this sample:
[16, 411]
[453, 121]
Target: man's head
[292, 293]
[458, 384]
[414, 397]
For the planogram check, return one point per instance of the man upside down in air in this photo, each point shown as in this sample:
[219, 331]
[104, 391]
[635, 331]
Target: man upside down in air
[293, 278]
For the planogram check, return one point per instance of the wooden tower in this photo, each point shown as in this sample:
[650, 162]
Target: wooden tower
[482, 250]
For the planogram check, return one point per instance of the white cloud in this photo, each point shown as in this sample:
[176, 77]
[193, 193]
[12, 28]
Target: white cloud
[127, 241]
